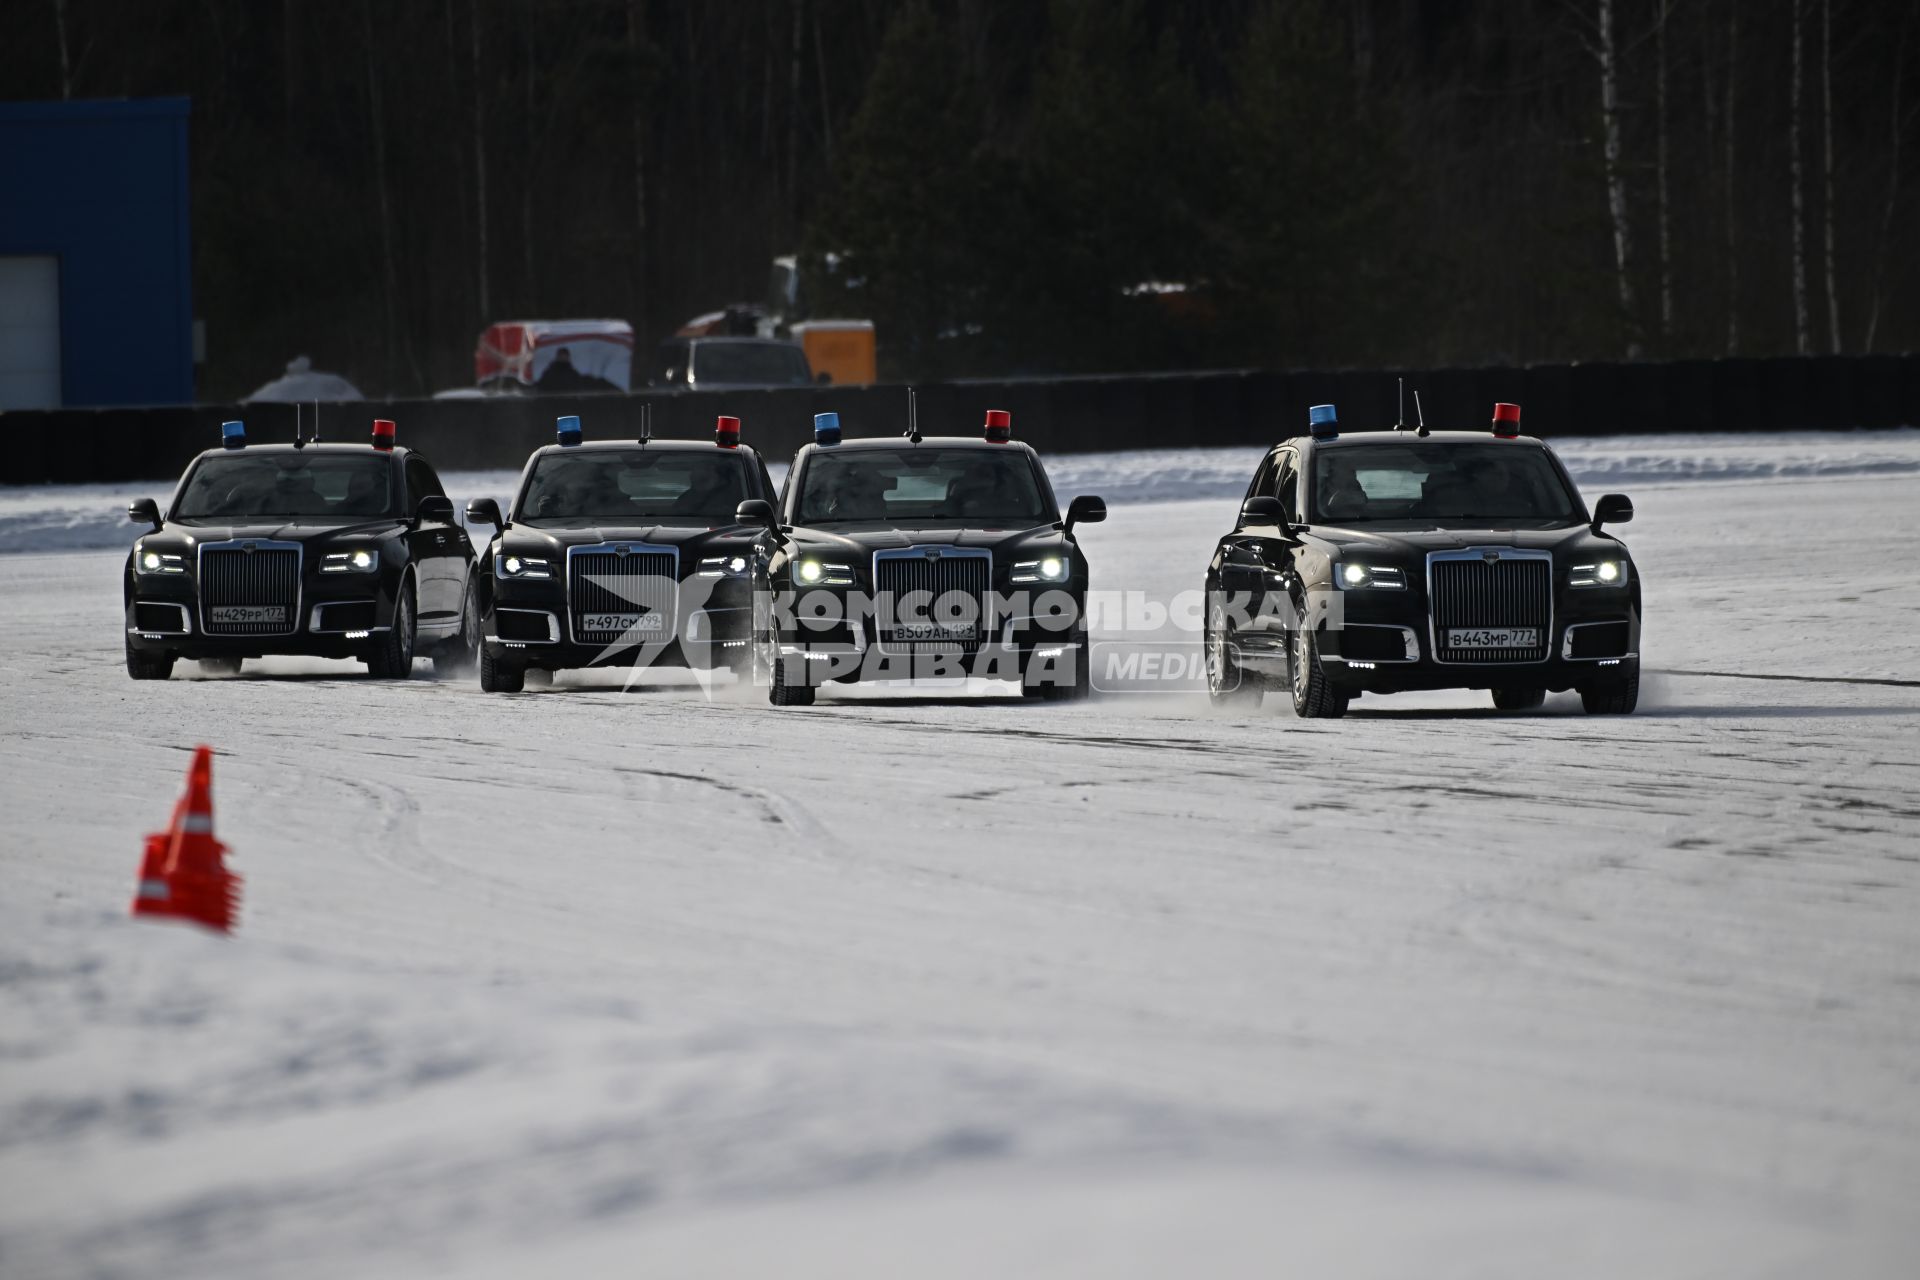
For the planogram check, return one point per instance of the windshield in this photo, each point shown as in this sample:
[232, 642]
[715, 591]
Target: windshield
[1446, 484]
[922, 486]
[343, 486]
[625, 488]
[760, 363]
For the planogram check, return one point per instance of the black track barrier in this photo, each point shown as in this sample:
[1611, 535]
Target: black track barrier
[1596, 401]
[1876, 392]
[1546, 400]
[1689, 396]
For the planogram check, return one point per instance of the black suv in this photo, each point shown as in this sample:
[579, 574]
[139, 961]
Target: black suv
[623, 553]
[1398, 560]
[324, 550]
[910, 557]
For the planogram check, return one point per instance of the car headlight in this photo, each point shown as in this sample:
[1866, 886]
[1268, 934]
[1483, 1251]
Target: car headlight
[512, 566]
[358, 560]
[158, 561]
[1384, 577]
[819, 573]
[1601, 573]
[1046, 569]
[723, 567]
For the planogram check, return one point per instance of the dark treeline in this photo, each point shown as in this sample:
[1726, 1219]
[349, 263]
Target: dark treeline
[1016, 185]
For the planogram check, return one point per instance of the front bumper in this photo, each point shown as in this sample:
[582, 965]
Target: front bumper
[1387, 646]
[336, 616]
[1015, 647]
[532, 623]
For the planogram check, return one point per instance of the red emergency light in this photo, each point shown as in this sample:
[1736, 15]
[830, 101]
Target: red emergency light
[383, 434]
[999, 426]
[726, 432]
[1506, 420]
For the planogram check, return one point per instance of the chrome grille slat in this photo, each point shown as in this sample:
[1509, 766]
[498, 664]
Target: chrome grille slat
[267, 576]
[896, 574]
[1468, 590]
[645, 580]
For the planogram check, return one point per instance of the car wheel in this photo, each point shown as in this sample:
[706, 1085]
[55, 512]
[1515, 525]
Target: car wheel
[220, 666]
[393, 658]
[1080, 688]
[497, 675]
[1314, 697]
[456, 657]
[1617, 696]
[142, 665]
[786, 676]
[1228, 683]
[1518, 699]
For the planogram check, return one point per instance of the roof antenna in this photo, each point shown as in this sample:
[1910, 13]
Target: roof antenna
[646, 421]
[299, 440]
[913, 416]
[1419, 413]
[1400, 419]
[315, 438]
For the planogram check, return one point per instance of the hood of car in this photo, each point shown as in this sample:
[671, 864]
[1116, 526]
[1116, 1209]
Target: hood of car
[275, 529]
[1421, 541]
[863, 539]
[553, 537]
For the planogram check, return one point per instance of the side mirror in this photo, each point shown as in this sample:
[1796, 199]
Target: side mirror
[1263, 510]
[1613, 508]
[144, 511]
[1085, 509]
[755, 511]
[434, 510]
[823, 378]
[759, 511]
[484, 511]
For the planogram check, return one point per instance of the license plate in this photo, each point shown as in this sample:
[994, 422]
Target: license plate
[622, 622]
[1493, 638]
[934, 631]
[261, 614]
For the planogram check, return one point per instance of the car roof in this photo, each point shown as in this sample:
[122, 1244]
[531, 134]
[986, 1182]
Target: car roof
[649, 446]
[739, 340]
[328, 447]
[886, 444]
[1361, 439]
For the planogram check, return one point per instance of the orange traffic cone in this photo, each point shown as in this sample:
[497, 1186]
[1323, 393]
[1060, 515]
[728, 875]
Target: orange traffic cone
[184, 872]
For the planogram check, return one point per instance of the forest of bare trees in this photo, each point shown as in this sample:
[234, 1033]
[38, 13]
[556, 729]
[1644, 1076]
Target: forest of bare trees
[1015, 184]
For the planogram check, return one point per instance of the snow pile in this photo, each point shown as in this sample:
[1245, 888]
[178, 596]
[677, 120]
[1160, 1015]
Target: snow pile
[303, 384]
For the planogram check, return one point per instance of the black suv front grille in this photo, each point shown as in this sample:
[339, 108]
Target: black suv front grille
[605, 583]
[249, 593]
[1480, 593]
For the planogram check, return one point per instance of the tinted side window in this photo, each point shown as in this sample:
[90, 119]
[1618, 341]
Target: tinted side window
[421, 482]
[1262, 486]
[1288, 488]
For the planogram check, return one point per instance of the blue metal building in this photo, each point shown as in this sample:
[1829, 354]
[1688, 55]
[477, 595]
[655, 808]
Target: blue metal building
[96, 300]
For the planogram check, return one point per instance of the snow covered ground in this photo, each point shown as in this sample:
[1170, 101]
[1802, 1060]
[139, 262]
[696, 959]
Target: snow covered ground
[917, 985]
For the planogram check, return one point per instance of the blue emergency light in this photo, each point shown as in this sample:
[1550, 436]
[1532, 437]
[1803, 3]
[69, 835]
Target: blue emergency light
[233, 435]
[566, 429]
[1324, 421]
[826, 428]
